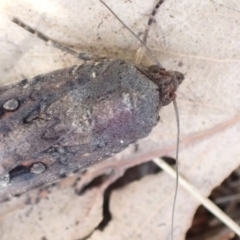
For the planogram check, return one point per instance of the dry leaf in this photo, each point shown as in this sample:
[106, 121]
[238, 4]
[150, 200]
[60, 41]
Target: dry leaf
[60, 214]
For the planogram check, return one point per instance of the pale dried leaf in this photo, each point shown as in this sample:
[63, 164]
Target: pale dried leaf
[59, 214]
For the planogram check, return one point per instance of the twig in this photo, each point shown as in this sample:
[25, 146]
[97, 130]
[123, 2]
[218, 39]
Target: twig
[208, 204]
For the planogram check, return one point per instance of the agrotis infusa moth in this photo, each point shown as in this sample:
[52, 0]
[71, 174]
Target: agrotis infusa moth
[60, 122]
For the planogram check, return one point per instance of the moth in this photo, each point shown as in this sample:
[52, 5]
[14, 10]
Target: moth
[67, 120]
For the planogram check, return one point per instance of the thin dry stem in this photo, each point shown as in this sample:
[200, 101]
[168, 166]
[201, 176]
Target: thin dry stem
[208, 204]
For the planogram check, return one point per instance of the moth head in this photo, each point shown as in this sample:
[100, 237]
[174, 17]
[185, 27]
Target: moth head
[167, 82]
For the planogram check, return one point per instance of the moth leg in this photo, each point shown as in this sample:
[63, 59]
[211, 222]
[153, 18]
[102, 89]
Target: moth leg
[136, 147]
[46, 39]
[142, 50]
[151, 20]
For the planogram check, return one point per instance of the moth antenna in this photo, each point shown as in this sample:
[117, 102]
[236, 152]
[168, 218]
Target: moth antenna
[135, 35]
[83, 56]
[177, 165]
[44, 37]
[151, 20]
[140, 52]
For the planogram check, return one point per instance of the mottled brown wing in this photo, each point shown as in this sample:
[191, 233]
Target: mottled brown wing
[57, 123]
